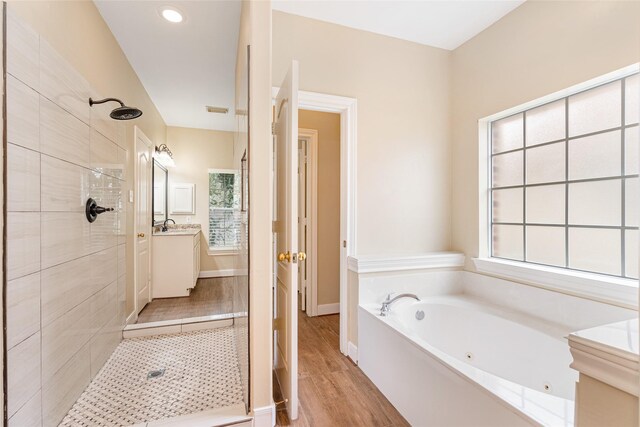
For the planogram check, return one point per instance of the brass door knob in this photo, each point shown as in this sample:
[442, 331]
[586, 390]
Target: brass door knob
[302, 256]
[284, 256]
[140, 234]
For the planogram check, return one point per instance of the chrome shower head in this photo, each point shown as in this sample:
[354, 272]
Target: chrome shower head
[121, 113]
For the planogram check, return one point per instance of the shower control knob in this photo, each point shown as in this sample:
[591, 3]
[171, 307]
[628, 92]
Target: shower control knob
[92, 210]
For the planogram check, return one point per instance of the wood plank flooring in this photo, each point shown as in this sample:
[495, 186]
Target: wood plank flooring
[210, 296]
[333, 391]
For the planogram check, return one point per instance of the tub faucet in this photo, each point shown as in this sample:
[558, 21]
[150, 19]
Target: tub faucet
[386, 304]
[164, 225]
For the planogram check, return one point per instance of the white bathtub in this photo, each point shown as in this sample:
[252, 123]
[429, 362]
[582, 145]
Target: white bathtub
[468, 363]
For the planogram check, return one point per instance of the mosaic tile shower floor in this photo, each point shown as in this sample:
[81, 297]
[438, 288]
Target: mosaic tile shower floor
[201, 372]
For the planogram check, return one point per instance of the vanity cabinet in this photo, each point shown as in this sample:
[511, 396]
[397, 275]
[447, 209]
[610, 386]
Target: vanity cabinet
[175, 263]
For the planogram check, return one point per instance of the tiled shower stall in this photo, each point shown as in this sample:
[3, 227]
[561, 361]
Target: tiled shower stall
[66, 277]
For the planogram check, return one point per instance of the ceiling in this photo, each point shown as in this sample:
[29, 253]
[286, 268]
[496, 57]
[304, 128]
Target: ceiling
[186, 66]
[444, 24]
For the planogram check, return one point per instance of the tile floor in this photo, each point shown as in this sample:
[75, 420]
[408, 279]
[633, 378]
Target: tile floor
[210, 296]
[200, 372]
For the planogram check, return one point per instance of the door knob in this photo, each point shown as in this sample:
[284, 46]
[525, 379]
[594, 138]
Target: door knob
[140, 234]
[284, 256]
[302, 256]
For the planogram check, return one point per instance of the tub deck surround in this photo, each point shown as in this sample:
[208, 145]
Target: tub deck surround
[609, 353]
[69, 276]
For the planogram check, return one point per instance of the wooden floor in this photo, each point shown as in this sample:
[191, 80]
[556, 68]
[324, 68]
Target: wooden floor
[332, 390]
[210, 296]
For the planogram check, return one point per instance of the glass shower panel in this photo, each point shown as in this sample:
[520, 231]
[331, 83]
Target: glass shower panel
[595, 249]
[546, 123]
[507, 205]
[595, 203]
[508, 242]
[631, 99]
[545, 204]
[545, 245]
[631, 151]
[507, 169]
[546, 163]
[595, 110]
[595, 156]
[506, 134]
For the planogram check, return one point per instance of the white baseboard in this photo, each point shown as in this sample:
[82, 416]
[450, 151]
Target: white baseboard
[328, 309]
[219, 273]
[264, 416]
[132, 318]
[352, 352]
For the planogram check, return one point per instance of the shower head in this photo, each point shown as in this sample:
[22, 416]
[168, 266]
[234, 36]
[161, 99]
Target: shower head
[121, 113]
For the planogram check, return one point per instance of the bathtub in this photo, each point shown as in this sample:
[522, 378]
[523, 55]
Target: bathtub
[467, 362]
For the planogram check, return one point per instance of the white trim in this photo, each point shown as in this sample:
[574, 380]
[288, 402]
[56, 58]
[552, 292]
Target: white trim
[264, 416]
[311, 136]
[324, 309]
[220, 273]
[597, 287]
[132, 318]
[353, 352]
[617, 368]
[374, 264]
[221, 251]
[347, 108]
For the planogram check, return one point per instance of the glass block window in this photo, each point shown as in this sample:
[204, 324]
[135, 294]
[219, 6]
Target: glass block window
[564, 182]
[224, 209]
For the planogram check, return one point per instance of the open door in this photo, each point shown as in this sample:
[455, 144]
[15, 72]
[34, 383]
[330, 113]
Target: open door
[143, 217]
[286, 237]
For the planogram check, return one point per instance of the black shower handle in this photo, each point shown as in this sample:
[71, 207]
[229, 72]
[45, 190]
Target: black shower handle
[92, 210]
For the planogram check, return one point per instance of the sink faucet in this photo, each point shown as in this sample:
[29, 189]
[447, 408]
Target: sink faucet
[386, 304]
[164, 225]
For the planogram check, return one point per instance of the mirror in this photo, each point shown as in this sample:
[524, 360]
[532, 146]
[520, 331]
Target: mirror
[160, 191]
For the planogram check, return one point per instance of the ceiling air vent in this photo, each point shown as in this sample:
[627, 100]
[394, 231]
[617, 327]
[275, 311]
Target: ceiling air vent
[220, 110]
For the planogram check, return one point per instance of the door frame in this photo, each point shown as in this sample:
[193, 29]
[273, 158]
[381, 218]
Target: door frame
[311, 137]
[347, 108]
[137, 133]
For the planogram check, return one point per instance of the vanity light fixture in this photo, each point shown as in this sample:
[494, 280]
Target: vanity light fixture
[171, 15]
[164, 156]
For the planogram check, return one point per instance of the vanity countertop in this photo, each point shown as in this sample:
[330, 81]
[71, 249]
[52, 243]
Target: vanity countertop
[178, 232]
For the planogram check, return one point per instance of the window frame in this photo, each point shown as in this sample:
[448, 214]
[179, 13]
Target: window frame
[602, 287]
[220, 250]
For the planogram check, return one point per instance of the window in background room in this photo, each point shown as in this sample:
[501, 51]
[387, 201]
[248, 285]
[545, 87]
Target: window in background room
[224, 209]
[564, 182]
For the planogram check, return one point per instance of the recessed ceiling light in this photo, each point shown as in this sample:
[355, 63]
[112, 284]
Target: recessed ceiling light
[171, 15]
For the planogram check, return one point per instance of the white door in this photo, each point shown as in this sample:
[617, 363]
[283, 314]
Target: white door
[286, 236]
[143, 220]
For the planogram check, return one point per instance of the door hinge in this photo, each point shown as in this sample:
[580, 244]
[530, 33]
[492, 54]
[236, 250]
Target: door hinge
[273, 128]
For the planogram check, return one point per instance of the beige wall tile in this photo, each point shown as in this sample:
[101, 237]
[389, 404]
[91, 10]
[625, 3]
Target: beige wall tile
[65, 236]
[23, 308]
[101, 121]
[122, 260]
[104, 268]
[62, 135]
[23, 372]
[104, 306]
[103, 344]
[22, 114]
[62, 84]
[72, 378]
[103, 232]
[122, 300]
[22, 51]
[104, 154]
[122, 164]
[64, 287]
[65, 186]
[30, 415]
[23, 244]
[23, 180]
[64, 337]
